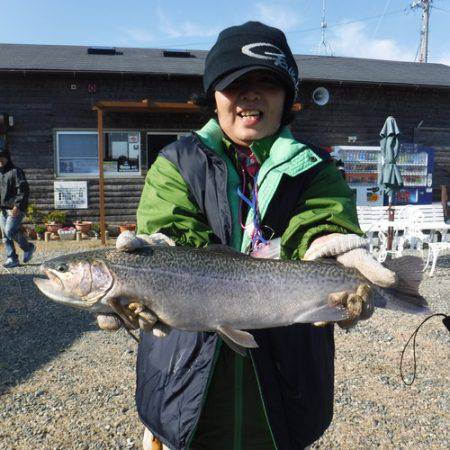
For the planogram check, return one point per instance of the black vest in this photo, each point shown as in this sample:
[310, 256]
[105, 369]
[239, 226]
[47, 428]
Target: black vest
[294, 365]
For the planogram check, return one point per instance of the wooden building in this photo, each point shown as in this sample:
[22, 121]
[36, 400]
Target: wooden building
[49, 92]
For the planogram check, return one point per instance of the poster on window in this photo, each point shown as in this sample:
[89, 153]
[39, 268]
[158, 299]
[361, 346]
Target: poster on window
[71, 194]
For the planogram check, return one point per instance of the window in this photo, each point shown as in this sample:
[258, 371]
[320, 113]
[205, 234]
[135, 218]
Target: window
[77, 153]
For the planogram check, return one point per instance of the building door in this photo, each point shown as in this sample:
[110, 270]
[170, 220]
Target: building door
[156, 141]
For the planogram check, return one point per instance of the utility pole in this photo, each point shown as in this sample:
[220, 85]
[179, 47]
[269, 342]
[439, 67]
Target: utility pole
[424, 32]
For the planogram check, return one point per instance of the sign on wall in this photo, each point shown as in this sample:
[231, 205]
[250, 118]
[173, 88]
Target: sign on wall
[71, 195]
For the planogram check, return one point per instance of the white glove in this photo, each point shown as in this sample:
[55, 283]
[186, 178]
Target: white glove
[350, 251]
[127, 241]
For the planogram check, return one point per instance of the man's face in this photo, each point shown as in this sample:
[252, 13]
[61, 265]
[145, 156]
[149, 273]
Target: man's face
[251, 107]
[3, 161]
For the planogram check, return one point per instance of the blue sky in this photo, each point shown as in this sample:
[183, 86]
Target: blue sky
[385, 29]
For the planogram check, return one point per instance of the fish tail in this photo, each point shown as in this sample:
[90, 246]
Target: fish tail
[409, 272]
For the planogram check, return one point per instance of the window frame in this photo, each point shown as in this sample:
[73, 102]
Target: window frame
[78, 175]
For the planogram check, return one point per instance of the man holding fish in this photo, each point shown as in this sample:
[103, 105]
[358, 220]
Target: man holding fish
[243, 180]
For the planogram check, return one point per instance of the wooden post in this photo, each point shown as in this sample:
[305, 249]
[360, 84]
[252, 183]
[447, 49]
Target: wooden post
[444, 200]
[101, 180]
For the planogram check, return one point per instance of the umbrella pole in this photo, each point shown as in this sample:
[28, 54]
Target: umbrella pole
[391, 214]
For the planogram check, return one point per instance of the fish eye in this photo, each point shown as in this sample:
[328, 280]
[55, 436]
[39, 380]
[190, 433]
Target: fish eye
[62, 268]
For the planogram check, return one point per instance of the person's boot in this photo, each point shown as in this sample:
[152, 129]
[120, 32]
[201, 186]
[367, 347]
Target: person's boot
[29, 253]
[11, 263]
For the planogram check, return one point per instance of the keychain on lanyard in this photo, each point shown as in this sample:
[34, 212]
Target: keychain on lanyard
[256, 233]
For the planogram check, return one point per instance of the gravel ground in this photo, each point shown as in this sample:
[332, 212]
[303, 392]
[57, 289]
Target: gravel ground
[64, 384]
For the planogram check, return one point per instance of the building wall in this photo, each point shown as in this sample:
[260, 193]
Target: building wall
[41, 103]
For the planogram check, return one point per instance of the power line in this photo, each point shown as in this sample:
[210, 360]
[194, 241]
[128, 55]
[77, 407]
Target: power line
[306, 30]
[441, 9]
[386, 6]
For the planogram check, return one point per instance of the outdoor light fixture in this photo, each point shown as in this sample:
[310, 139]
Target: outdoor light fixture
[321, 96]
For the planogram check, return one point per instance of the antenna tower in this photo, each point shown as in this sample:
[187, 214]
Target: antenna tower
[426, 6]
[324, 46]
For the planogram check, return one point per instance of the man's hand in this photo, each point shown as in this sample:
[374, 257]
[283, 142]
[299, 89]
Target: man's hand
[138, 317]
[348, 249]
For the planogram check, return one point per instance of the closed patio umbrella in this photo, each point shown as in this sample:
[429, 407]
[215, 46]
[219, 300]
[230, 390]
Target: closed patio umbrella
[390, 178]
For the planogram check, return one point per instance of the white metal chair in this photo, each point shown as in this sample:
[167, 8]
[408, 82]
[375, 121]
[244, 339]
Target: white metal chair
[413, 231]
[434, 249]
[398, 244]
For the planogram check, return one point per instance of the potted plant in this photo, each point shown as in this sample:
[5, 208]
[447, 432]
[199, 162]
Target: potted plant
[33, 217]
[40, 230]
[55, 220]
[29, 231]
[34, 214]
[95, 230]
[83, 225]
[127, 226]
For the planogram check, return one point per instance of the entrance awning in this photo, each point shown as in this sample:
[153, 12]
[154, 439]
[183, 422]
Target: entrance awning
[145, 106]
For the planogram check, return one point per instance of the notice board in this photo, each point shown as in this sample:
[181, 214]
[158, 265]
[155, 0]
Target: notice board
[71, 194]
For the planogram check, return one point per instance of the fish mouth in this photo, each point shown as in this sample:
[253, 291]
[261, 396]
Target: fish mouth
[52, 291]
[53, 288]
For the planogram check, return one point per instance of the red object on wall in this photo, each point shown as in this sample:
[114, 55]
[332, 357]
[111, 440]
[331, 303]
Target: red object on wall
[92, 88]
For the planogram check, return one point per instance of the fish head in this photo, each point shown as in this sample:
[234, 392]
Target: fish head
[76, 281]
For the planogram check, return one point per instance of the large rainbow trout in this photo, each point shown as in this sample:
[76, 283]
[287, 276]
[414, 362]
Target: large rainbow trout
[215, 289]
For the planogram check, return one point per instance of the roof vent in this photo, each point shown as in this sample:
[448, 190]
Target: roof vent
[103, 51]
[177, 54]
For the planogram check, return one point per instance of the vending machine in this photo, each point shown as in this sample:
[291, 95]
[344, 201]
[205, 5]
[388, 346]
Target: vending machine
[362, 165]
[415, 163]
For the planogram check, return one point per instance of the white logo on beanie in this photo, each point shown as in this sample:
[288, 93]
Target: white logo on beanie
[255, 50]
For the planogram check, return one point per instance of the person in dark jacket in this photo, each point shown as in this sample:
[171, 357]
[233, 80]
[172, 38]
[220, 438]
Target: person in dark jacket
[244, 181]
[14, 193]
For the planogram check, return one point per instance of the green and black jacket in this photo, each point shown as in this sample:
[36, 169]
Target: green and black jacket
[283, 392]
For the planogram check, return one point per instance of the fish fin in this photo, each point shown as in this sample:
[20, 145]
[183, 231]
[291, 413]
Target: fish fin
[130, 320]
[237, 337]
[324, 313]
[409, 271]
[410, 304]
[237, 348]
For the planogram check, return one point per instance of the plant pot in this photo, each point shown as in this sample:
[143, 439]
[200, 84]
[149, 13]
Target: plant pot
[83, 226]
[40, 236]
[67, 234]
[53, 227]
[127, 226]
[30, 232]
